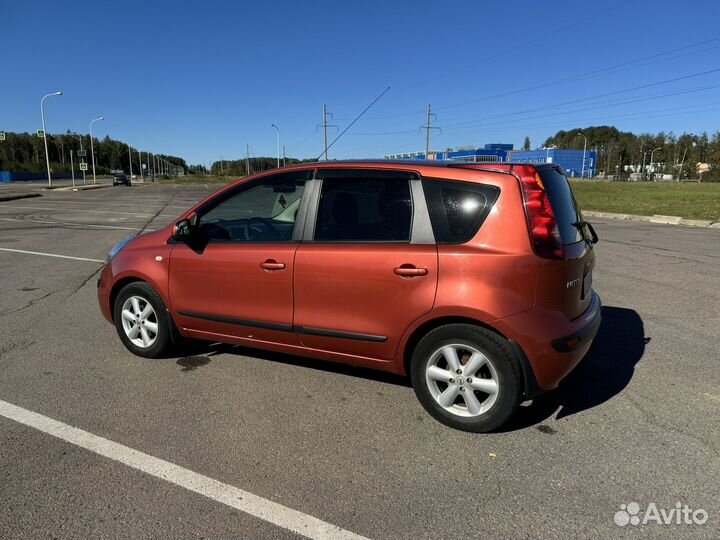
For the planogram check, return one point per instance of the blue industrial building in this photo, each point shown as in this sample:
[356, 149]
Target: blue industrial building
[570, 160]
[490, 153]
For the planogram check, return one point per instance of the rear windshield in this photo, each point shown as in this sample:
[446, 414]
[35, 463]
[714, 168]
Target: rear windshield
[563, 204]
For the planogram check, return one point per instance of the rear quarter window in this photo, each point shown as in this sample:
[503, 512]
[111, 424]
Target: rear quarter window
[457, 209]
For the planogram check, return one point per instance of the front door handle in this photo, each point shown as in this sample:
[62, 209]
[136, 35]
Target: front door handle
[408, 270]
[272, 264]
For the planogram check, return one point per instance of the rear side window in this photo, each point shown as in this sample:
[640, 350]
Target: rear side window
[357, 209]
[563, 204]
[457, 209]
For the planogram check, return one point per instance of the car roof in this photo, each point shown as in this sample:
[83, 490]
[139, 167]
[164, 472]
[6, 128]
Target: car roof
[504, 166]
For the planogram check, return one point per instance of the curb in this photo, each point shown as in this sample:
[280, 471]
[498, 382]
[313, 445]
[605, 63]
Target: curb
[4, 198]
[82, 188]
[657, 218]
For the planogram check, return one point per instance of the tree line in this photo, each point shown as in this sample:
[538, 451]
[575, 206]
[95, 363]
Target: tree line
[620, 153]
[26, 152]
[243, 167]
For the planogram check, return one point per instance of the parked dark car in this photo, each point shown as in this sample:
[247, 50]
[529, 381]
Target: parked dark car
[121, 178]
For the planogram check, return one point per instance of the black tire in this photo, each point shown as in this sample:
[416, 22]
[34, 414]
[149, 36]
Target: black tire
[506, 373]
[166, 331]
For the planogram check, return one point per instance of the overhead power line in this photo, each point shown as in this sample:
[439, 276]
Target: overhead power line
[606, 69]
[598, 96]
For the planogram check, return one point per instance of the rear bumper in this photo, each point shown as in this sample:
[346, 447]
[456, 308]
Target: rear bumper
[584, 335]
[549, 357]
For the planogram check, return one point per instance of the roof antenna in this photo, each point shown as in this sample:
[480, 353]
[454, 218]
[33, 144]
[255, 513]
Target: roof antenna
[351, 123]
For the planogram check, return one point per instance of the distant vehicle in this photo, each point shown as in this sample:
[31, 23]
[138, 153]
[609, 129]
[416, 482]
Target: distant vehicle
[120, 178]
[473, 279]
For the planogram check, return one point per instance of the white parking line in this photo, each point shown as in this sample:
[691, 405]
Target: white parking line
[138, 202]
[51, 255]
[259, 507]
[99, 211]
[70, 223]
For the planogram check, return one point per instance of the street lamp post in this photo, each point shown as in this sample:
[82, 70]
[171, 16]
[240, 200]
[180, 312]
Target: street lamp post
[582, 173]
[42, 115]
[92, 147]
[278, 144]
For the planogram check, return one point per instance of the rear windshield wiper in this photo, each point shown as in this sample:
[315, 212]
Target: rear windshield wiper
[580, 224]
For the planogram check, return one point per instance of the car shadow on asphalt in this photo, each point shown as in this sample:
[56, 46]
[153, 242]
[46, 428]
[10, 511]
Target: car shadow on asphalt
[197, 354]
[604, 372]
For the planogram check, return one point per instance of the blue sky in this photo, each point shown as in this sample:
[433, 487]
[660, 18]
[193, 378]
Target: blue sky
[203, 79]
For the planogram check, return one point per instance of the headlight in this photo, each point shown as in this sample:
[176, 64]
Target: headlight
[117, 247]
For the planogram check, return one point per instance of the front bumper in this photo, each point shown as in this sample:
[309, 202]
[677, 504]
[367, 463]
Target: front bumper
[104, 289]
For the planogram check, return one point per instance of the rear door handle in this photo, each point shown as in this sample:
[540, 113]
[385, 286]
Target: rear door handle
[408, 270]
[271, 264]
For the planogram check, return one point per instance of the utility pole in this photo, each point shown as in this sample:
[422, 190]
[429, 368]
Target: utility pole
[427, 127]
[142, 180]
[72, 168]
[325, 125]
[130, 162]
[247, 160]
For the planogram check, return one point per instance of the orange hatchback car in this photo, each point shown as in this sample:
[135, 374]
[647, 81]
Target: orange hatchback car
[475, 280]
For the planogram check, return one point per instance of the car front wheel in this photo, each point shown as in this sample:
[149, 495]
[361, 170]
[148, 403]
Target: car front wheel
[466, 377]
[142, 321]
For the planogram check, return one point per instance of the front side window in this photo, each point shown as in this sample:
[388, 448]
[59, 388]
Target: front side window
[263, 211]
[364, 209]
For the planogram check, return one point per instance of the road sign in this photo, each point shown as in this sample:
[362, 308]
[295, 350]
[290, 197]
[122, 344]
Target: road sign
[41, 133]
[83, 166]
[2, 135]
[82, 153]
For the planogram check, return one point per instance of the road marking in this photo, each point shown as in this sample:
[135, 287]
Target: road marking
[100, 211]
[139, 202]
[259, 507]
[70, 223]
[51, 255]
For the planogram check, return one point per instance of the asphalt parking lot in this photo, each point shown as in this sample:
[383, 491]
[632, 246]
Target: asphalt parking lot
[636, 422]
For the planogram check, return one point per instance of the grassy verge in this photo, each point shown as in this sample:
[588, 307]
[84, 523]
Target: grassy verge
[688, 200]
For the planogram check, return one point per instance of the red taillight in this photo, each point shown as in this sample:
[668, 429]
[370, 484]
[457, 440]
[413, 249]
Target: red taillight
[541, 218]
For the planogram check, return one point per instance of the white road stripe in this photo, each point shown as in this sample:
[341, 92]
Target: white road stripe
[51, 255]
[56, 209]
[70, 223]
[259, 507]
[138, 202]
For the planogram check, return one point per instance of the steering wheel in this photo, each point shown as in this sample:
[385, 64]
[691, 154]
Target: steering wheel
[262, 221]
[215, 232]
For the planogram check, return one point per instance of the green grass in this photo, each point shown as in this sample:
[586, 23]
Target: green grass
[688, 200]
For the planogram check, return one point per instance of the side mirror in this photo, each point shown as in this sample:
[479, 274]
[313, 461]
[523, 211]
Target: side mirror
[183, 229]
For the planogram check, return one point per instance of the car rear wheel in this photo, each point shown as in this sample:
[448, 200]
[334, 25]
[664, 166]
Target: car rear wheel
[466, 377]
[142, 321]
